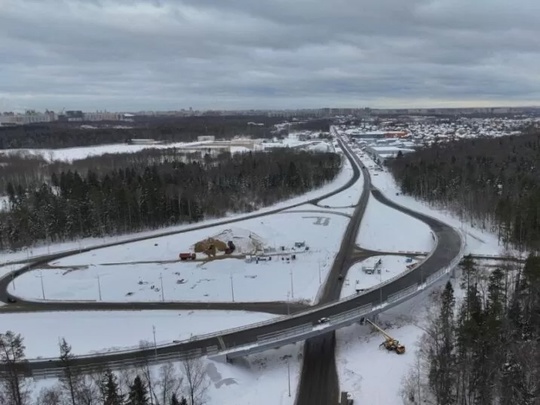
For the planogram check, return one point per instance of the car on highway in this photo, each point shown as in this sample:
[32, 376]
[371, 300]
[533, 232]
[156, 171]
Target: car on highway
[11, 300]
[323, 320]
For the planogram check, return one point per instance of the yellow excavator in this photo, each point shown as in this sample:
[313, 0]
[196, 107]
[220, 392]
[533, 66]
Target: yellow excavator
[390, 343]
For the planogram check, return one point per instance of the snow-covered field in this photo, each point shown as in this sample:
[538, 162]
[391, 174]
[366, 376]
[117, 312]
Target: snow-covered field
[389, 267]
[348, 197]
[71, 154]
[89, 332]
[137, 271]
[389, 230]
[261, 379]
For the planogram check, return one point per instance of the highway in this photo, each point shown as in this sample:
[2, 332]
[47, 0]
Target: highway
[319, 382]
[448, 247]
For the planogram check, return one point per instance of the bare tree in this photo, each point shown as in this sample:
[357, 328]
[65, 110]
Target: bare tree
[146, 372]
[196, 380]
[168, 383]
[13, 367]
[50, 396]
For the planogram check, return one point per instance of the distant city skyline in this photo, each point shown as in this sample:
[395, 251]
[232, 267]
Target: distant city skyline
[166, 55]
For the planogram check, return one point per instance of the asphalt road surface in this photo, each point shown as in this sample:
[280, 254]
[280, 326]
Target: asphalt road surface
[319, 382]
[447, 249]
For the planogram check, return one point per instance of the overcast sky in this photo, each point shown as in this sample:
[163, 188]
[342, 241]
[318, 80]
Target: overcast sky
[128, 55]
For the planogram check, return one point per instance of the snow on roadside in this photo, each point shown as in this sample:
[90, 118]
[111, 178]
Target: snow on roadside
[341, 179]
[101, 331]
[389, 267]
[348, 197]
[386, 229]
[477, 241]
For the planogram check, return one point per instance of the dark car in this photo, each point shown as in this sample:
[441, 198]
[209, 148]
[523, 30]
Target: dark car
[11, 300]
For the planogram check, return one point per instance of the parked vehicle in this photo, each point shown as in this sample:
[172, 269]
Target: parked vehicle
[187, 256]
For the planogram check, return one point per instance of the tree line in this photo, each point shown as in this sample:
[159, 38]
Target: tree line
[170, 129]
[31, 170]
[485, 350]
[168, 192]
[186, 384]
[491, 182]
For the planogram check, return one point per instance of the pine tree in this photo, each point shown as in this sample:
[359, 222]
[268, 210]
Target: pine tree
[71, 377]
[110, 390]
[138, 393]
[12, 358]
[174, 400]
[442, 357]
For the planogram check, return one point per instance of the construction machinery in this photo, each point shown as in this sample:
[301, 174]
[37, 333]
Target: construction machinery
[390, 343]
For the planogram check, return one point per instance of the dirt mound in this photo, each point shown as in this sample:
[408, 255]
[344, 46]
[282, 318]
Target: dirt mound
[243, 240]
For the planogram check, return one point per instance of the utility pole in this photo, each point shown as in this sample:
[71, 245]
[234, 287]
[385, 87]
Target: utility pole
[289, 376]
[232, 287]
[320, 281]
[292, 283]
[99, 287]
[162, 292]
[155, 344]
[288, 303]
[42, 287]
[13, 280]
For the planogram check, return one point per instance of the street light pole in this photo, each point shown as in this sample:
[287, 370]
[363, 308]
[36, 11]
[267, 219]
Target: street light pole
[289, 376]
[99, 287]
[292, 283]
[232, 287]
[42, 287]
[155, 344]
[320, 281]
[288, 303]
[162, 292]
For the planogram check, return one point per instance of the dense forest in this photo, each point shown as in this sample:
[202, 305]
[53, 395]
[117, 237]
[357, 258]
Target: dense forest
[177, 129]
[486, 349]
[491, 182]
[183, 383]
[163, 193]
[30, 170]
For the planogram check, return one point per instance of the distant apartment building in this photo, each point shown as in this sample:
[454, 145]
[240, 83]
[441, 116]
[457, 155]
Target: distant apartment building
[30, 117]
[102, 116]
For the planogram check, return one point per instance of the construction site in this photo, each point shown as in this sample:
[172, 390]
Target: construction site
[240, 244]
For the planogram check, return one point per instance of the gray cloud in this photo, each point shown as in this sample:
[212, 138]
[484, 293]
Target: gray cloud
[169, 54]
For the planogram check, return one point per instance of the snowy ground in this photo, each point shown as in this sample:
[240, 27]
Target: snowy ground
[116, 330]
[390, 266]
[348, 197]
[137, 271]
[386, 229]
[363, 365]
[341, 179]
[261, 379]
[477, 240]
[71, 154]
